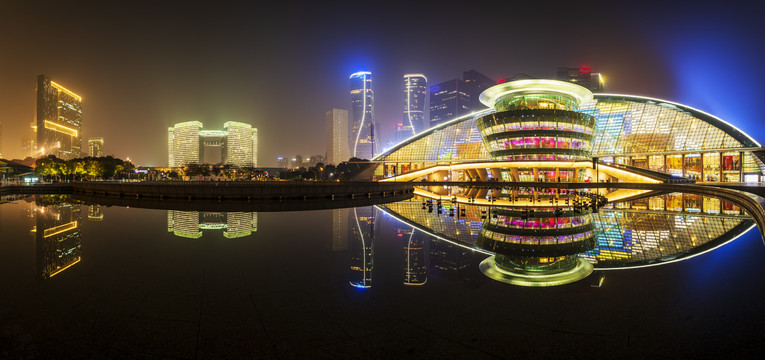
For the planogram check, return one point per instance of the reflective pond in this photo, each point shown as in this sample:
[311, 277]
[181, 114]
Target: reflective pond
[674, 275]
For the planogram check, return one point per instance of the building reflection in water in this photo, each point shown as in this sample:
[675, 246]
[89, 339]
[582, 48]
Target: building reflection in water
[546, 246]
[362, 226]
[189, 224]
[95, 213]
[339, 218]
[58, 245]
[415, 255]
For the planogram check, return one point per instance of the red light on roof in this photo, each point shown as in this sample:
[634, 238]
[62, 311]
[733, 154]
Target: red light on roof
[502, 81]
[585, 70]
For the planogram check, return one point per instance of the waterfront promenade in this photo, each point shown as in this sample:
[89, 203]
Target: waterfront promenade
[219, 190]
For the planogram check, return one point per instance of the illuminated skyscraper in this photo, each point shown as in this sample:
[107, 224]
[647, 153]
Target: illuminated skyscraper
[241, 140]
[415, 91]
[237, 144]
[362, 134]
[96, 147]
[336, 132]
[59, 120]
[183, 143]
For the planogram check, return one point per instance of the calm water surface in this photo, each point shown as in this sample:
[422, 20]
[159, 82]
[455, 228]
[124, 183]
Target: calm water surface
[396, 280]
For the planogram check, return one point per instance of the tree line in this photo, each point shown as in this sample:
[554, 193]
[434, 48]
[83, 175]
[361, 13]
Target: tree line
[106, 167]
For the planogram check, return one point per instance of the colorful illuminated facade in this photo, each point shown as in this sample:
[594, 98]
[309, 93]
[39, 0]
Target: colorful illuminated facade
[362, 132]
[59, 120]
[549, 130]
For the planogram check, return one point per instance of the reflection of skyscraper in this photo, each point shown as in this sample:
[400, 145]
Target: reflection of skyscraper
[59, 120]
[336, 132]
[415, 269]
[362, 136]
[362, 246]
[415, 92]
[189, 224]
[447, 257]
[339, 239]
[58, 243]
[95, 213]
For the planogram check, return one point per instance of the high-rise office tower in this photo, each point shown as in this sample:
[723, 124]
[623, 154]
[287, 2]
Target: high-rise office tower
[241, 140]
[183, 143]
[59, 120]
[415, 91]
[448, 100]
[362, 134]
[96, 147]
[336, 132]
[237, 144]
[475, 84]
[454, 98]
[582, 76]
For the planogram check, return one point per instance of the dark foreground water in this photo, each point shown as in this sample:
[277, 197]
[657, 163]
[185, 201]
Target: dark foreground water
[79, 281]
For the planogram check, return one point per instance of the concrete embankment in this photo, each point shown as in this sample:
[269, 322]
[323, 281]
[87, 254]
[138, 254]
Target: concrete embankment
[59, 188]
[243, 190]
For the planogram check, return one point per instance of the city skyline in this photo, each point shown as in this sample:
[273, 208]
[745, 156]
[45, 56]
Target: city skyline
[187, 74]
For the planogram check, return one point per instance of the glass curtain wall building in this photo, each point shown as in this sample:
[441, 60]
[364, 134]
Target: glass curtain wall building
[59, 120]
[362, 133]
[415, 92]
[620, 130]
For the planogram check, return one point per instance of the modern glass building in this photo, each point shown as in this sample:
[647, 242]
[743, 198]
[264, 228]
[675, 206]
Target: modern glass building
[59, 120]
[549, 130]
[448, 100]
[362, 133]
[237, 144]
[415, 93]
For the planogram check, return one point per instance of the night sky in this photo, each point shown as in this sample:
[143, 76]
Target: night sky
[142, 67]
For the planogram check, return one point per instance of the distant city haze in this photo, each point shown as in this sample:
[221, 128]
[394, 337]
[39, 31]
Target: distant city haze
[139, 71]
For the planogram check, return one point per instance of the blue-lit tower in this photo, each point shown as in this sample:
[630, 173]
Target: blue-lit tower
[415, 92]
[362, 136]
